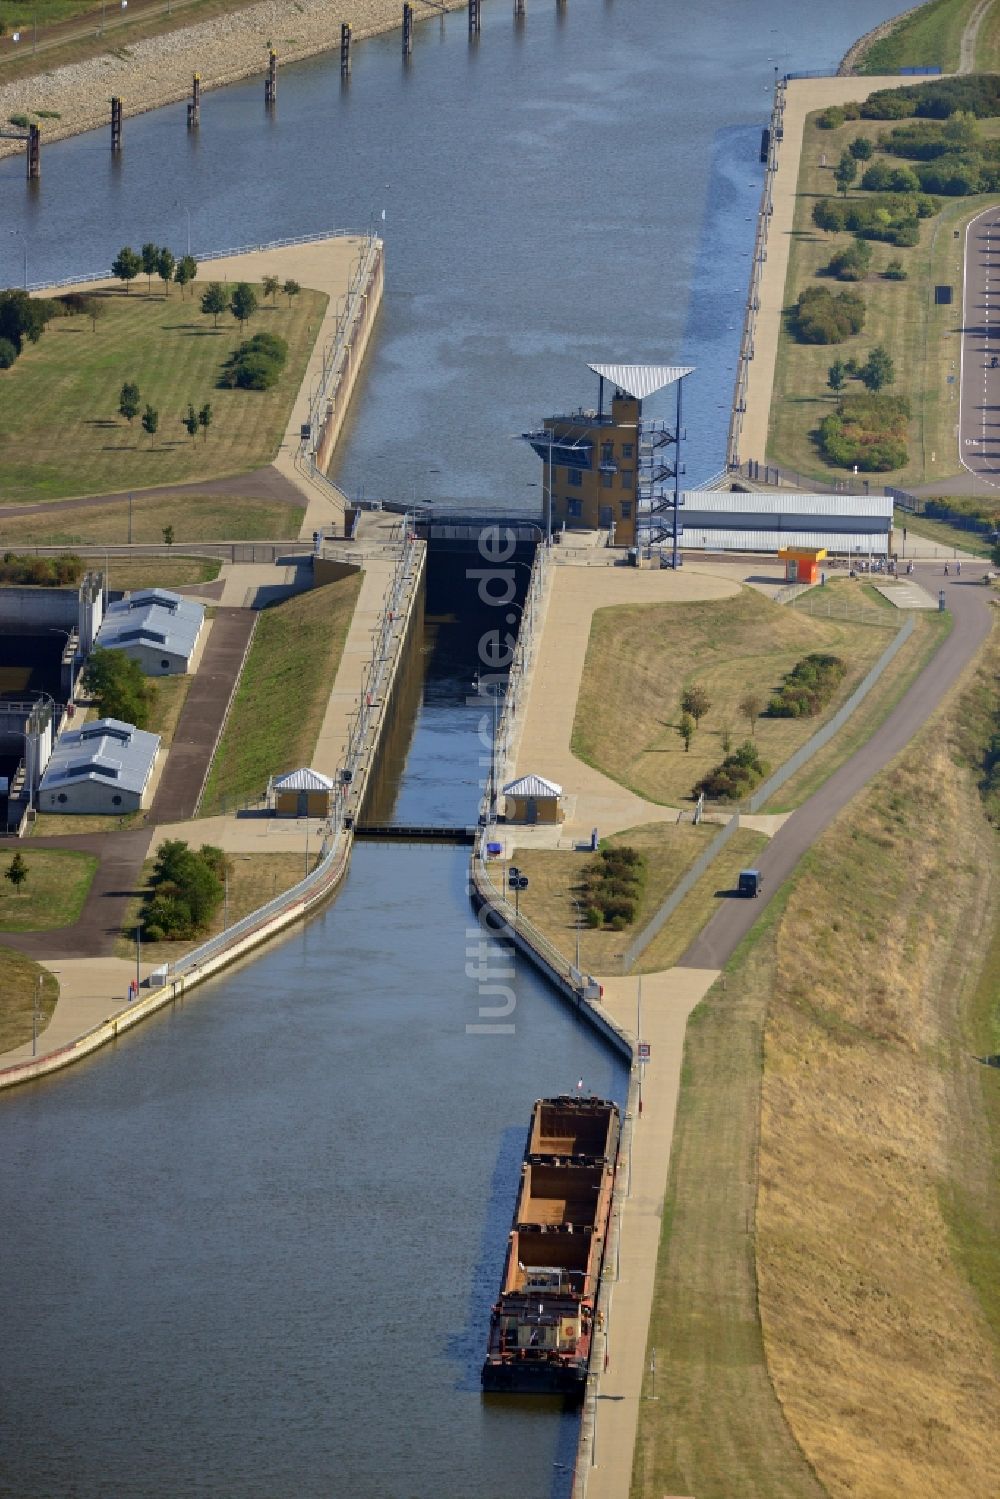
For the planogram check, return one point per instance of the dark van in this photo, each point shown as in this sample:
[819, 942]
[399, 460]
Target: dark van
[750, 882]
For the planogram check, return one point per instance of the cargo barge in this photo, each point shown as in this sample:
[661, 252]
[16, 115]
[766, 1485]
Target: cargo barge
[542, 1326]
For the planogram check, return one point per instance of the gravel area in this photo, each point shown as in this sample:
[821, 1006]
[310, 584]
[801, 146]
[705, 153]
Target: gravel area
[158, 71]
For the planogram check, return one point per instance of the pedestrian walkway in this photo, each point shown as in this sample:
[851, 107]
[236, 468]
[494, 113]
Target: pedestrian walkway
[667, 1001]
[544, 746]
[90, 990]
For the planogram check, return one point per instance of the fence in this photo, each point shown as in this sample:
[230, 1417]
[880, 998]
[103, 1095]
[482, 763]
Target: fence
[822, 606]
[209, 255]
[353, 321]
[753, 296]
[934, 510]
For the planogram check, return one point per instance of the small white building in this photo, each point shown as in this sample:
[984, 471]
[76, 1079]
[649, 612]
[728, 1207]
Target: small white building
[533, 799]
[158, 629]
[302, 793]
[105, 767]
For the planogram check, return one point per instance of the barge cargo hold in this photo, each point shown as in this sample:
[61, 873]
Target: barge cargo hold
[542, 1326]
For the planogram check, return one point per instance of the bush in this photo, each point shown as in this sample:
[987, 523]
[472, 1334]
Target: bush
[882, 177]
[976, 94]
[867, 430]
[894, 271]
[187, 891]
[256, 364]
[44, 571]
[822, 318]
[861, 148]
[878, 217]
[831, 118]
[852, 263]
[8, 353]
[735, 777]
[808, 687]
[612, 885]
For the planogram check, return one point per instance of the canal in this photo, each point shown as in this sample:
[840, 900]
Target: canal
[251, 1251]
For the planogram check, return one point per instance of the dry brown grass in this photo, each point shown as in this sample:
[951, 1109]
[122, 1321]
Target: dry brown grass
[19, 992]
[716, 884]
[872, 1129]
[194, 517]
[640, 657]
[554, 880]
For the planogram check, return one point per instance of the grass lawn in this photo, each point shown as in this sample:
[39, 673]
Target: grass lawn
[131, 573]
[923, 339]
[19, 991]
[254, 879]
[641, 656]
[554, 880]
[715, 1428]
[283, 693]
[209, 517]
[931, 35]
[944, 534]
[929, 632]
[848, 1263]
[68, 384]
[52, 895]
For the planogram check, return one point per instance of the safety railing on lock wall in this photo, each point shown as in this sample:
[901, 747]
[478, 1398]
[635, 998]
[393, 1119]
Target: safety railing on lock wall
[333, 849]
[335, 349]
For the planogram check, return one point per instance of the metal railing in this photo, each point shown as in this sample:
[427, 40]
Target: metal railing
[335, 349]
[333, 847]
[209, 255]
[822, 606]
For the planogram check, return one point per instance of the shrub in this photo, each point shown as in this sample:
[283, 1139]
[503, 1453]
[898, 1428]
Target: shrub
[808, 687]
[256, 364]
[861, 148]
[867, 430]
[882, 177]
[875, 216]
[831, 118]
[8, 353]
[735, 777]
[852, 263]
[894, 271]
[47, 571]
[612, 885]
[187, 890]
[822, 318]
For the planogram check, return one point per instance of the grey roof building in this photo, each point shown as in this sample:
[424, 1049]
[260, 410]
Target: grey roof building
[156, 628]
[729, 520]
[103, 767]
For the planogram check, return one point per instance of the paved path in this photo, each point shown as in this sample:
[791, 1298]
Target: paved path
[668, 998]
[202, 717]
[972, 608]
[979, 395]
[259, 484]
[970, 36]
[120, 858]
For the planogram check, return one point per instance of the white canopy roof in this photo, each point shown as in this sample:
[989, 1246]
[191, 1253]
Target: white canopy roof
[641, 380]
[532, 786]
[303, 780]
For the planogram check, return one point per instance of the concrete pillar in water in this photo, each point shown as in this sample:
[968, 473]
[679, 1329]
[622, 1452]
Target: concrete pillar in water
[518, 10]
[194, 107]
[473, 17]
[345, 50]
[407, 29]
[271, 81]
[34, 153]
[116, 123]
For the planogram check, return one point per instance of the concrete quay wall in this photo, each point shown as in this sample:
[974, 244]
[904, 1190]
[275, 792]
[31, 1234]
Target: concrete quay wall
[304, 899]
[363, 305]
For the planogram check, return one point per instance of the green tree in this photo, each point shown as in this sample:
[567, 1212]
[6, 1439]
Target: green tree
[751, 706]
[190, 421]
[686, 729]
[836, 375]
[186, 271]
[168, 536]
[879, 370]
[214, 300]
[243, 303]
[17, 872]
[117, 685]
[165, 267]
[861, 148]
[126, 266]
[23, 317]
[845, 172]
[150, 263]
[291, 289]
[128, 401]
[150, 420]
[8, 353]
[695, 701]
[96, 309]
[271, 287]
[205, 419]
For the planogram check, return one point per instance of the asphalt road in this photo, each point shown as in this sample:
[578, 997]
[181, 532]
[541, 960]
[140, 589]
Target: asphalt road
[979, 395]
[971, 605]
